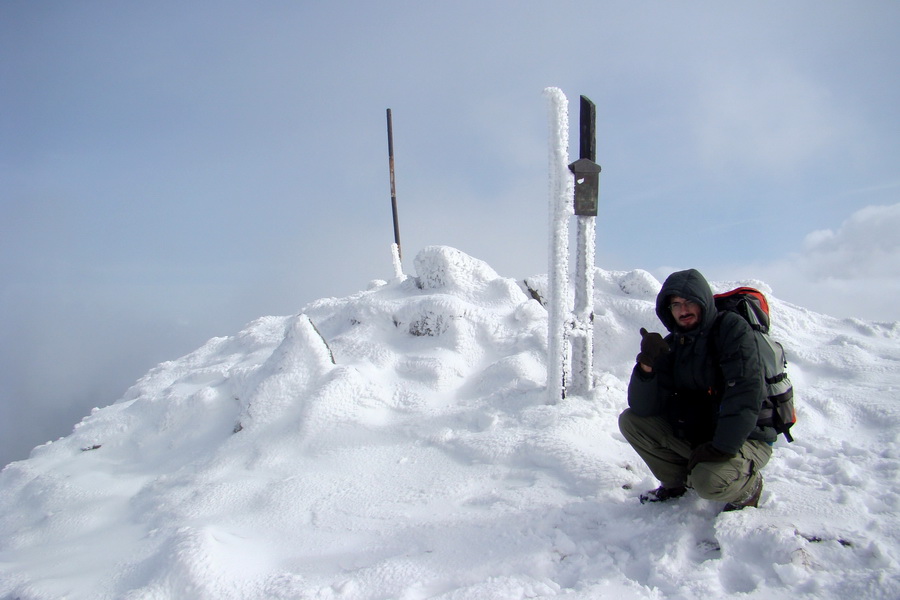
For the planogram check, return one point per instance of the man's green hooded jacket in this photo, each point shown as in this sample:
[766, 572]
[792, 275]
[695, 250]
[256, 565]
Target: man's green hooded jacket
[709, 390]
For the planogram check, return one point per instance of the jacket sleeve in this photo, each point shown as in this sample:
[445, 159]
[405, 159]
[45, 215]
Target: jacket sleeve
[743, 387]
[643, 393]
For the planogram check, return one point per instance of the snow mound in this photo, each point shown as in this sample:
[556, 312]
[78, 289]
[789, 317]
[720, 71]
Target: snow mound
[397, 443]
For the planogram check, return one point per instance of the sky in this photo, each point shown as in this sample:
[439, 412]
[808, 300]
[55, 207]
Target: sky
[171, 171]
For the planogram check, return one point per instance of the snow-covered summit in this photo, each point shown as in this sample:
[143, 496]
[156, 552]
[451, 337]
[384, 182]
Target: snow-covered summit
[397, 443]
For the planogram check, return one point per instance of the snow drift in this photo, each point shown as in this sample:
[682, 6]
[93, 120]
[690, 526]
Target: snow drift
[397, 443]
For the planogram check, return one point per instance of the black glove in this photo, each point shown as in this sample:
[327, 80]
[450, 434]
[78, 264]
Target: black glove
[706, 452]
[652, 345]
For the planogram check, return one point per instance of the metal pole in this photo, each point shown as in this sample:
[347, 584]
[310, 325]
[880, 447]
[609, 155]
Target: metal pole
[583, 318]
[390, 132]
[587, 129]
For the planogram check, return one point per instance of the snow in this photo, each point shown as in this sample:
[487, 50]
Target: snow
[399, 443]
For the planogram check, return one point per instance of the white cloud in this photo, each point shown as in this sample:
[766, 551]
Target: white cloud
[866, 245]
[851, 271]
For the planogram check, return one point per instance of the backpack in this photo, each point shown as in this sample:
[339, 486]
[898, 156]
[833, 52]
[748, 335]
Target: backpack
[778, 407]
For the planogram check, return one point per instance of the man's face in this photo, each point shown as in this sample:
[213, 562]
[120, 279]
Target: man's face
[686, 312]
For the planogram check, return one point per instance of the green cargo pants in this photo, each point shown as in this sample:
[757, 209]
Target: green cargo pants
[667, 456]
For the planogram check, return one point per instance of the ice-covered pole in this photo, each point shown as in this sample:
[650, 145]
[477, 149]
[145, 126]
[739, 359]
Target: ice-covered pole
[560, 210]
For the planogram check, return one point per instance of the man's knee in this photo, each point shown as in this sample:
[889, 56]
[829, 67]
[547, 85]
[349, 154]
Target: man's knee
[626, 422]
[634, 427]
[723, 482]
[714, 481]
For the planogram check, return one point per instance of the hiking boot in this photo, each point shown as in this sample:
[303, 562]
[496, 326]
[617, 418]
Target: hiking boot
[663, 493]
[750, 499]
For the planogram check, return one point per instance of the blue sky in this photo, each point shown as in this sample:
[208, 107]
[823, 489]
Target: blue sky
[170, 171]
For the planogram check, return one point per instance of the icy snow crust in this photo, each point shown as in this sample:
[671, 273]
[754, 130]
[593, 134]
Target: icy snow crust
[398, 444]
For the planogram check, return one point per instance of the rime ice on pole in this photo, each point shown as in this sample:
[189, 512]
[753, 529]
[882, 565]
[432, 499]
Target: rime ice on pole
[398, 268]
[561, 190]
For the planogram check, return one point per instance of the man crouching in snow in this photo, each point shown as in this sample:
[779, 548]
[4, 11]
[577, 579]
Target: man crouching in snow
[694, 401]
